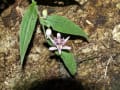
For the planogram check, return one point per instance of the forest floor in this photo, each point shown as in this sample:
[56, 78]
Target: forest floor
[98, 61]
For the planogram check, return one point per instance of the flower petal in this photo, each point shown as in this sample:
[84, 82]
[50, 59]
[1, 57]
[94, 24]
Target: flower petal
[52, 48]
[66, 40]
[66, 47]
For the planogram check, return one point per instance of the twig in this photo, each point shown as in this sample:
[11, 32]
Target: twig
[106, 68]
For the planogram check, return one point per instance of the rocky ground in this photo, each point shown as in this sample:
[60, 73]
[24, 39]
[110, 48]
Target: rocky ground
[98, 60]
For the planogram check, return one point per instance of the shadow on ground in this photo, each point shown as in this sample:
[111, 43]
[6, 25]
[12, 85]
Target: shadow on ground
[50, 84]
[56, 2]
[5, 4]
[56, 84]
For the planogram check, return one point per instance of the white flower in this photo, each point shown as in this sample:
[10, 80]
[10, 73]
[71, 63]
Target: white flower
[59, 43]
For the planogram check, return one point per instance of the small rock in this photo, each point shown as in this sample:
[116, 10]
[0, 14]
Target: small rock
[81, 1]
[86, 50]
[116, 33]
[118, 5]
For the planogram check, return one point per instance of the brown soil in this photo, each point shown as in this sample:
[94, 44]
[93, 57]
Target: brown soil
[98, 19]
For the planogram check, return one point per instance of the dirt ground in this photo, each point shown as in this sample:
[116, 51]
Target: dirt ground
[98, 60]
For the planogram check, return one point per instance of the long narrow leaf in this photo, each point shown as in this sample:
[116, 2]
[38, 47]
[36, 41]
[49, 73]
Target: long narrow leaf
[69, 62]
[64, 25]
[27, 28]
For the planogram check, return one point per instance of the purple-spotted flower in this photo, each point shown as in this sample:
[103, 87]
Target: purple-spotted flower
[58, 42]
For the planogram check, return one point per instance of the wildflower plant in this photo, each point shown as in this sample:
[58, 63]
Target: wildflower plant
[57, 43]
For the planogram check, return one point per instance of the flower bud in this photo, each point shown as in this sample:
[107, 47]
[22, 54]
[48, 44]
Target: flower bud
[58, 35]
[48, 32]
[44, 13]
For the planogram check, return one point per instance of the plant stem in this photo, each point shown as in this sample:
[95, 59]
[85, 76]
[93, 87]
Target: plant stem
[44, 31]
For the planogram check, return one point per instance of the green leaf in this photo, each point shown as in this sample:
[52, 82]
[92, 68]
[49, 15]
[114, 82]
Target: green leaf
[44, 22]
[63, 25]
[27, 28]
[69, 62]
